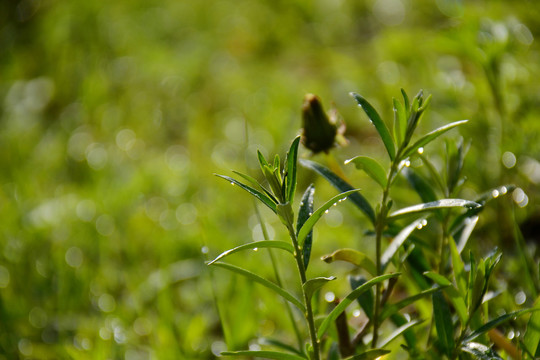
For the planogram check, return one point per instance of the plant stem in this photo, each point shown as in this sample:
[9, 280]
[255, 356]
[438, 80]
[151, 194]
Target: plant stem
[309, 310]
[380, 224]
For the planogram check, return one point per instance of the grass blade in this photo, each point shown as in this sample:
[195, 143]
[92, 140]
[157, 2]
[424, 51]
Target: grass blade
[429, 137]
[342, 186]
[434, 205]
[270, 285]
[371, 167]
[308, 225]
[443, 323]
[255, 245]
[304, 212]
[398, 241]
[264, 354]
[259, 195]
[292, 157]
[330, 318]
[369, 355]
[379, 124]
[354, 257]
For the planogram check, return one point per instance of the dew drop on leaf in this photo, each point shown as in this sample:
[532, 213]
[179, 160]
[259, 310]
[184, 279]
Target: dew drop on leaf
[420, 150]
[495, 193]
[255, 249]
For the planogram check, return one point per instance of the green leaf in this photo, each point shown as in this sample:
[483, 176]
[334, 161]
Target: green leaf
[434, 205]
[262, 197]
[292, 157]
[366, 299]
[304, 212]
[496, 322]
[255, 245]
[390, 309]
[443, 323]
[270, 285]
[308, 225]
[315, 284]
[262, 160]
[455, 296]
[354, 257]
[264, 354]
[458, 267]
[400, 122]
[399, 239]
[531, 340]
[257, 184]
[342, 186]
[371, 167]
[369, 355]
[422, 188]
[279, 344]
[397, 332]
[379, 124]
[330, 318]
[429, 137]
[406, 101]
[481, 351]
[469, 225]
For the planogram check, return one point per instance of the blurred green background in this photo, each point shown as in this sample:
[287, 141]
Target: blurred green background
[114, 117]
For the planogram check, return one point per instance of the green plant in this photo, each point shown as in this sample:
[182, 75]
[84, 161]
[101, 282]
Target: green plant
[458, 296]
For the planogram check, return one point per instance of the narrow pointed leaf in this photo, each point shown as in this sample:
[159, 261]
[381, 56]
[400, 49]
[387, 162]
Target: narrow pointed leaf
[422, 188]
[366, 299]
[406, 101]
[256, 245]
[340, 184]
[457, 300]
[371, 167]
[443, 323]
[458, 267]
[429, 137]
[434, 205]
[259, 195]
[264, 354]
[257, 184]
[400, 330]
[390, 309]
[279, 344]
[481, 351]
[496, 322]
[400, 122]
[315, 284]
[304, 212]
[262, 160]
[354, 257]
[531, 339]
[370, 355]
[399, 239]
[330, 318]
[379, 124]
[470, 224]
[308, 225]
[292, 157]
[270, 285]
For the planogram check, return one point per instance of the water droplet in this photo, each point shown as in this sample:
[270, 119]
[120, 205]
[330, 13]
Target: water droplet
[511, 335]
[407, 163]
[302, 203]
[419, 226]
[329, 296]
[424, 222]
[310, 213]
[232, 183]
[503, 190]
[335, 204]
[356, 313]
[345, 198]
[495, 193]
[255, 249]
[520, 298]
[326, 212]
[420, 150]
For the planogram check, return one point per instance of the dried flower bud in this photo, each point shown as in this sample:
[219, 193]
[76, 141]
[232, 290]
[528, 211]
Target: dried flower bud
[319, 131]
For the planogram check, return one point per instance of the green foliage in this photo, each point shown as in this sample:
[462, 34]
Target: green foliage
[113, 117]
